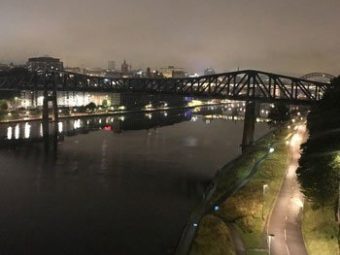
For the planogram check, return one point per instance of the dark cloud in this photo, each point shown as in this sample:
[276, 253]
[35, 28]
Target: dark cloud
[288, 36]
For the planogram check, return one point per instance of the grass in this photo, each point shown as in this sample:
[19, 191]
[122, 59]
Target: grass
[213, 238]
[320, 230]
[240, 168]
[246, 206]
[250, 207]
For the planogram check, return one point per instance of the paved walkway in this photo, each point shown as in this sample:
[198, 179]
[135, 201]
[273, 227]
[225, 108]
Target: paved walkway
[284, 224]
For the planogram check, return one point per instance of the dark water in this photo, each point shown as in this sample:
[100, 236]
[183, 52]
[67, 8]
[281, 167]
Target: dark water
[109, 186]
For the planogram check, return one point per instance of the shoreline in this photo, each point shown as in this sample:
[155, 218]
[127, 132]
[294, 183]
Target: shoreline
[206, 206]
[116, 113]
[251, 204]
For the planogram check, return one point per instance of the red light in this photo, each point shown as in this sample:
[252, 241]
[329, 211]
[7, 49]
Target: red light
[107, 128]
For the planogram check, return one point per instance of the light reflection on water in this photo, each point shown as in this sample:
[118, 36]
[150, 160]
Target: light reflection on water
[127, 189]
[9, 133]
[230, 112]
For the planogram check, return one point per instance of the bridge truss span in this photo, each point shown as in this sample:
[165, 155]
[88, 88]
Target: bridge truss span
[240, 85]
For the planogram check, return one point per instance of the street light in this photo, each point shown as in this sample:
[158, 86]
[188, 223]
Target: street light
[271, 150]
[265, 187]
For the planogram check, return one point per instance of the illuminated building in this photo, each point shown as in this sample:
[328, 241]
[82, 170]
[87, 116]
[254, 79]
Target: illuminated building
[76, 99]
[172, 72]
[96, 72]
[44, 64]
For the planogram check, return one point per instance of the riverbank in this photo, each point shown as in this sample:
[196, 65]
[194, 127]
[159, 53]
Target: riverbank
[244, 195]
[107, 113]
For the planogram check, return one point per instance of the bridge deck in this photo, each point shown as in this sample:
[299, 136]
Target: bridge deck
[240, 85]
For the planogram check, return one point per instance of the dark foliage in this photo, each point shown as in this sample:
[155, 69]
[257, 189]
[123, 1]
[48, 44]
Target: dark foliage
[320, 161]
[91, 106]
[278, 115]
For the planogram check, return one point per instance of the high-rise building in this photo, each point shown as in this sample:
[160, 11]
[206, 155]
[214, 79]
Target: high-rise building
[44, 64]
[172, 72]
[125, 68]
[111, 65]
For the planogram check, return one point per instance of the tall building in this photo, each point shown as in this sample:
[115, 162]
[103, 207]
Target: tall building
[148, 72]
[44, 64]
[111, 65]
[172, 72]
[125, 68]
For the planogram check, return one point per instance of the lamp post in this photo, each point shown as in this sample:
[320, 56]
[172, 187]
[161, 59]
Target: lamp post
[265, 187]
[270, 238]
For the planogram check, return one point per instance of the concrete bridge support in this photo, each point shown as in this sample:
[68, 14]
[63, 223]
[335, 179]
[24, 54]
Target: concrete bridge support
[45, 115]
[249, 125]
[50, 98]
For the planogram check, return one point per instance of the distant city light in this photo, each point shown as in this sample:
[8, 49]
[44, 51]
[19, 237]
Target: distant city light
[9, 133]
[27, 130]
[60, 127]
[108, 128]
[148, 106]
[16, 132]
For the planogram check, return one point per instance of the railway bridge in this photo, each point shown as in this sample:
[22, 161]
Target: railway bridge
[247, 85]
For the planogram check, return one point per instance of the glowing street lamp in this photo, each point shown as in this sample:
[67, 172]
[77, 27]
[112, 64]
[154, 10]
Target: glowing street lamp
[264, 189]
[271, 150]
[216, 208]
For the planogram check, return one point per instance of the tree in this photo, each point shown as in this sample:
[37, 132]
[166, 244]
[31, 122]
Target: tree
[278, 114]
[3, 105]
[91, 106]
[320, 160]
[105, 103]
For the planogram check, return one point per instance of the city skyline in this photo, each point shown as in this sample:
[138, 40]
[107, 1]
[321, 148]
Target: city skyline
[191, 34]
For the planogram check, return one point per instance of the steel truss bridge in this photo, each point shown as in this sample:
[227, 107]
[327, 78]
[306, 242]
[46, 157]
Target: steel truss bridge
[239, 85]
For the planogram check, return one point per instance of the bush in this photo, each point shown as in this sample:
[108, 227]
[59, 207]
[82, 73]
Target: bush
[91, 106]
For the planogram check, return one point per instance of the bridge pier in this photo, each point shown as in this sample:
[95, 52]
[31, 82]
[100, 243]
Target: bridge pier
[45, 119]
[249, 125]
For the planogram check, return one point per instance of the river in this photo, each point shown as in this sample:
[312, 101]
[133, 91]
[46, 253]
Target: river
[110, 185]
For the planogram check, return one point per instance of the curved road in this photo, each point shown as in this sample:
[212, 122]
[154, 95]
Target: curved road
[284, 235]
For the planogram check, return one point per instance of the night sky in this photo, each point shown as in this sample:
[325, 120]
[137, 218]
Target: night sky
[286, 36]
